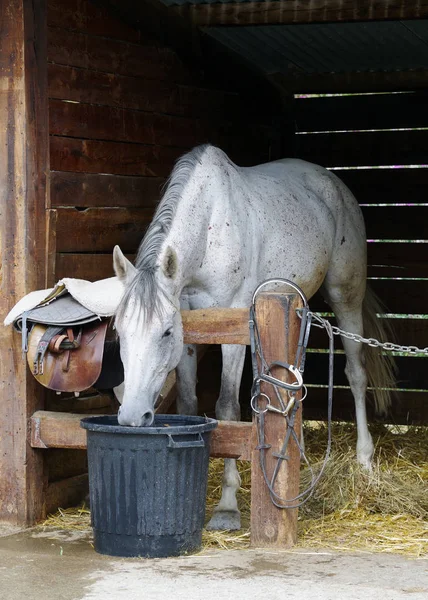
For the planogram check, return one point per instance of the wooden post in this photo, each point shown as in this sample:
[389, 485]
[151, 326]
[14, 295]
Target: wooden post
[279, 328]
[24, 167]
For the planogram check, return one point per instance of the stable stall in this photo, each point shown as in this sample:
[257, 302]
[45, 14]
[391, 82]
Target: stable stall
[98, 101]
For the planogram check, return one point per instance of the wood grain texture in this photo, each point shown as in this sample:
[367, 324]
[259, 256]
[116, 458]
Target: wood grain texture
[66, 492]
[24, 168]
[281, 12]
[62, 430]
[62, 463]
[351, 82]
[167, 97]
[387, 186]
[408, 408]
[375, 148]
[113, 56]
[97, 122]
[375, 111]
[216, 326]
[279, 329]
[392, 293]
[92, 156]
[86, 190]
[402, 260]
[87, 17]
[395, 222]
[100, 229]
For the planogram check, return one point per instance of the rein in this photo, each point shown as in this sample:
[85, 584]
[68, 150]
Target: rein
[289, 409]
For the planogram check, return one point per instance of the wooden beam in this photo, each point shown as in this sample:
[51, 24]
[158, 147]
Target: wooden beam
[282, 12]
[279, 328]
[373, 81]
[216, 326]
[24, 166]
[62, 430]
[66, 492]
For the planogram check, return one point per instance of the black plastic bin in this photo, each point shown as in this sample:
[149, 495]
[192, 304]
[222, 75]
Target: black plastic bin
[148, 485]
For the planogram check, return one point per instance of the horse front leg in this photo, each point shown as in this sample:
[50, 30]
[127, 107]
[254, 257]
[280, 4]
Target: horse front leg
[226, 515]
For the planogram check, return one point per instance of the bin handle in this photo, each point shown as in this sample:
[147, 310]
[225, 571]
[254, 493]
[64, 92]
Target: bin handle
[197, 443]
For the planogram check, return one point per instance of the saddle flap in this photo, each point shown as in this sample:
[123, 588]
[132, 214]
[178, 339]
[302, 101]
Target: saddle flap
[73, 370]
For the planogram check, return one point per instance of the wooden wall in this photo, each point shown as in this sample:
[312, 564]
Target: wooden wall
[384, 134]
[122, 109]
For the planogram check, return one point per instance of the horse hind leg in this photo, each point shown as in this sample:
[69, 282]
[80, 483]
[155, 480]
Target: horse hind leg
[226, 515]
[349, 318]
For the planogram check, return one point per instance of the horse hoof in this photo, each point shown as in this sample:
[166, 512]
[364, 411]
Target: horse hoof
[225, 520]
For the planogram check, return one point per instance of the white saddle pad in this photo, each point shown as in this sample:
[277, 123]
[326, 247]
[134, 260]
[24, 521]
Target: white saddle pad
[101, 297]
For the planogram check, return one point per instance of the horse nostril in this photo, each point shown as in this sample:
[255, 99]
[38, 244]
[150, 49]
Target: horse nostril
[148, 418]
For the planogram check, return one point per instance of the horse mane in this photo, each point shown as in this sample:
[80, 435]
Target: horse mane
[145, 288]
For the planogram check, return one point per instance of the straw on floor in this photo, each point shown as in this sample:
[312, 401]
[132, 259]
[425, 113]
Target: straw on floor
[385, 510]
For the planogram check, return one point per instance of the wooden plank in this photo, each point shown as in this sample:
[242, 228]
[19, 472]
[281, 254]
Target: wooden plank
[364, 148]
[411, 373]
[92, 403]
[85, 266]
[62, 463]
[386, 186]
[351, 82]
[62, 430]
[99, 229]
[91, 156]
[111, 89]
[66, 492]
[87, 17]
[232, 440]
[279, 328]
[281, 12]
[24, 168]
[86, 190]
[396, 222]
[114, 56]
[216, 326]
[373, 111]
[408, 408]
[51, 220]
[97, 122]
[409, 260]
[398, 295]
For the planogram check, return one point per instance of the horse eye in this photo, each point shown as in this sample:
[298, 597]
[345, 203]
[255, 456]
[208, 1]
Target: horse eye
[167, 332]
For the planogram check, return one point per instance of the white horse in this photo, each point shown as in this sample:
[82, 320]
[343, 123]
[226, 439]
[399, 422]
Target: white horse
[218, 232]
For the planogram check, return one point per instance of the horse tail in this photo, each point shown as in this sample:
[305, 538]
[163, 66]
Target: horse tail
[381, 368]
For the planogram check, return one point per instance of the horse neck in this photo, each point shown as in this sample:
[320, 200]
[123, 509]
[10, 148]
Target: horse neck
[189, 229]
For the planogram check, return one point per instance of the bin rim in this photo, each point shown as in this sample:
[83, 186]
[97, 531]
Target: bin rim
[109, 424]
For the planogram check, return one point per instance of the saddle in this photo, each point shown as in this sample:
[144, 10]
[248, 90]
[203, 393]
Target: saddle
[64, 342]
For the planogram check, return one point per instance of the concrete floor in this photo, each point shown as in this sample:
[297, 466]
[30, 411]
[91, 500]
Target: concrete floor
[39, 564]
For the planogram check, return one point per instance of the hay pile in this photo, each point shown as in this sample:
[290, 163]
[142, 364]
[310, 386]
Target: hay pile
[384, 511]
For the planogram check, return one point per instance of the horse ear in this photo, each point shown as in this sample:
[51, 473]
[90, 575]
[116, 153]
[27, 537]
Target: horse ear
[124, 269]
[170, 263]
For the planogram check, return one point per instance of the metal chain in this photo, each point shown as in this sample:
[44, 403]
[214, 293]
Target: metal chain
[374, 343]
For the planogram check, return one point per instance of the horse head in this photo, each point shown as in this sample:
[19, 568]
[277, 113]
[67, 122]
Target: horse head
[150, 329]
